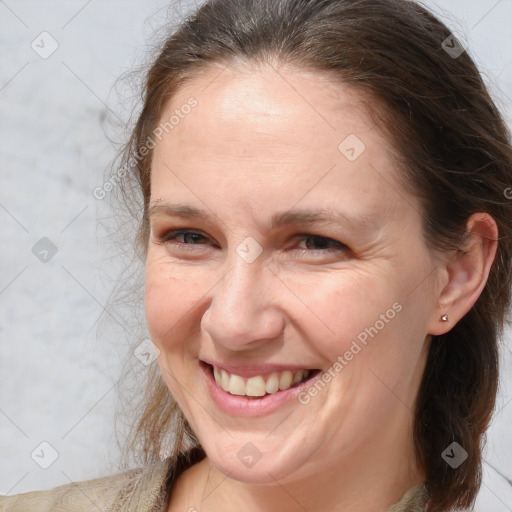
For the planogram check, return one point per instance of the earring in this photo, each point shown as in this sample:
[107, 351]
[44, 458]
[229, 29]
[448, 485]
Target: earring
[444, 318]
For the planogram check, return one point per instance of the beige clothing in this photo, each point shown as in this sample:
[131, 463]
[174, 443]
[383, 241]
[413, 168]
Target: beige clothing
[145, 489]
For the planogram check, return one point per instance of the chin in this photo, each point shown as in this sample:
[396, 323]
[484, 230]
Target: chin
[247, 464]
[258, 474]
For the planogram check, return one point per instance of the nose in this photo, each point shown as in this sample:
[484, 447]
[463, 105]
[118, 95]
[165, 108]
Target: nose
[244, 311]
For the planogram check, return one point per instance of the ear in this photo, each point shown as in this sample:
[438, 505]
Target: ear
[465, 273]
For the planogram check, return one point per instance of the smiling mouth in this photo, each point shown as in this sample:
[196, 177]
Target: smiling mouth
[259, 385]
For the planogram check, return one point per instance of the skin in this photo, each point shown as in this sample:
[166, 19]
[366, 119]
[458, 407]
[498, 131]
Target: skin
[262, 141]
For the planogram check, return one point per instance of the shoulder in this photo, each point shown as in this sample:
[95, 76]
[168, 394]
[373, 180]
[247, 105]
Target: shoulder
[414, 500]
[136, 489]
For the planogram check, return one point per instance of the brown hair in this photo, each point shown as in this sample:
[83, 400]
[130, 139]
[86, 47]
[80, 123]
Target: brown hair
[454, 154]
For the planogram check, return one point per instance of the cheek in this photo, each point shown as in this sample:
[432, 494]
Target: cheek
[369, 319]
[340, 306]
[169, 299]
[159, 305]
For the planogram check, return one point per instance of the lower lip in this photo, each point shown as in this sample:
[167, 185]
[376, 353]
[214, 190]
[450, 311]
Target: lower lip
[244, 406]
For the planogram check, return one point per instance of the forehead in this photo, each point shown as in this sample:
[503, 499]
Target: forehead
[264, 104]
[263, 132]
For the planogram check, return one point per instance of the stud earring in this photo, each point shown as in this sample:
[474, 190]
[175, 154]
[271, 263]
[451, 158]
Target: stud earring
[444, 318]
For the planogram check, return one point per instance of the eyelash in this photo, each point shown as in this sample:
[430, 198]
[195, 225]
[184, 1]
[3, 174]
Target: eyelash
[170, 238]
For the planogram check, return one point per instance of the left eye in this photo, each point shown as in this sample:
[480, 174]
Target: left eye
[321, 243]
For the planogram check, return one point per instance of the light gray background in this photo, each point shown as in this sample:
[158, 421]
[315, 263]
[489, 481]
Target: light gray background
[58, 378]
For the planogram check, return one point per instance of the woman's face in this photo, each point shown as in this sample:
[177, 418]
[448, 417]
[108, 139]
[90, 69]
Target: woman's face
[281, 241]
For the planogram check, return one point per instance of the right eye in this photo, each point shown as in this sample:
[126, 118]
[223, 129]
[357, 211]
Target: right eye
[188, 238]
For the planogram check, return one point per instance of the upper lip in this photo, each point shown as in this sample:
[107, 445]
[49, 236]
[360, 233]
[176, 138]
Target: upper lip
[252, 370]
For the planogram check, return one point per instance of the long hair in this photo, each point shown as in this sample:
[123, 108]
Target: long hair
[453, 152]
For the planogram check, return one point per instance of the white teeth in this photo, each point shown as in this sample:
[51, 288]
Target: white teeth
[257, 385]
[224, 383]
[272, 384]
[286, 380]
[297, 377]
[236, 385]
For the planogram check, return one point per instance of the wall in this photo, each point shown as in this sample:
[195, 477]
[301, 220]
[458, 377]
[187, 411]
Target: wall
[58, 376]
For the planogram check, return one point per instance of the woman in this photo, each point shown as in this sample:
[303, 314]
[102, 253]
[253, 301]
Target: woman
[328, 264]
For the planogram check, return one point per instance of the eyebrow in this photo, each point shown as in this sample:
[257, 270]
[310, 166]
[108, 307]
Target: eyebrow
[289, 217]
